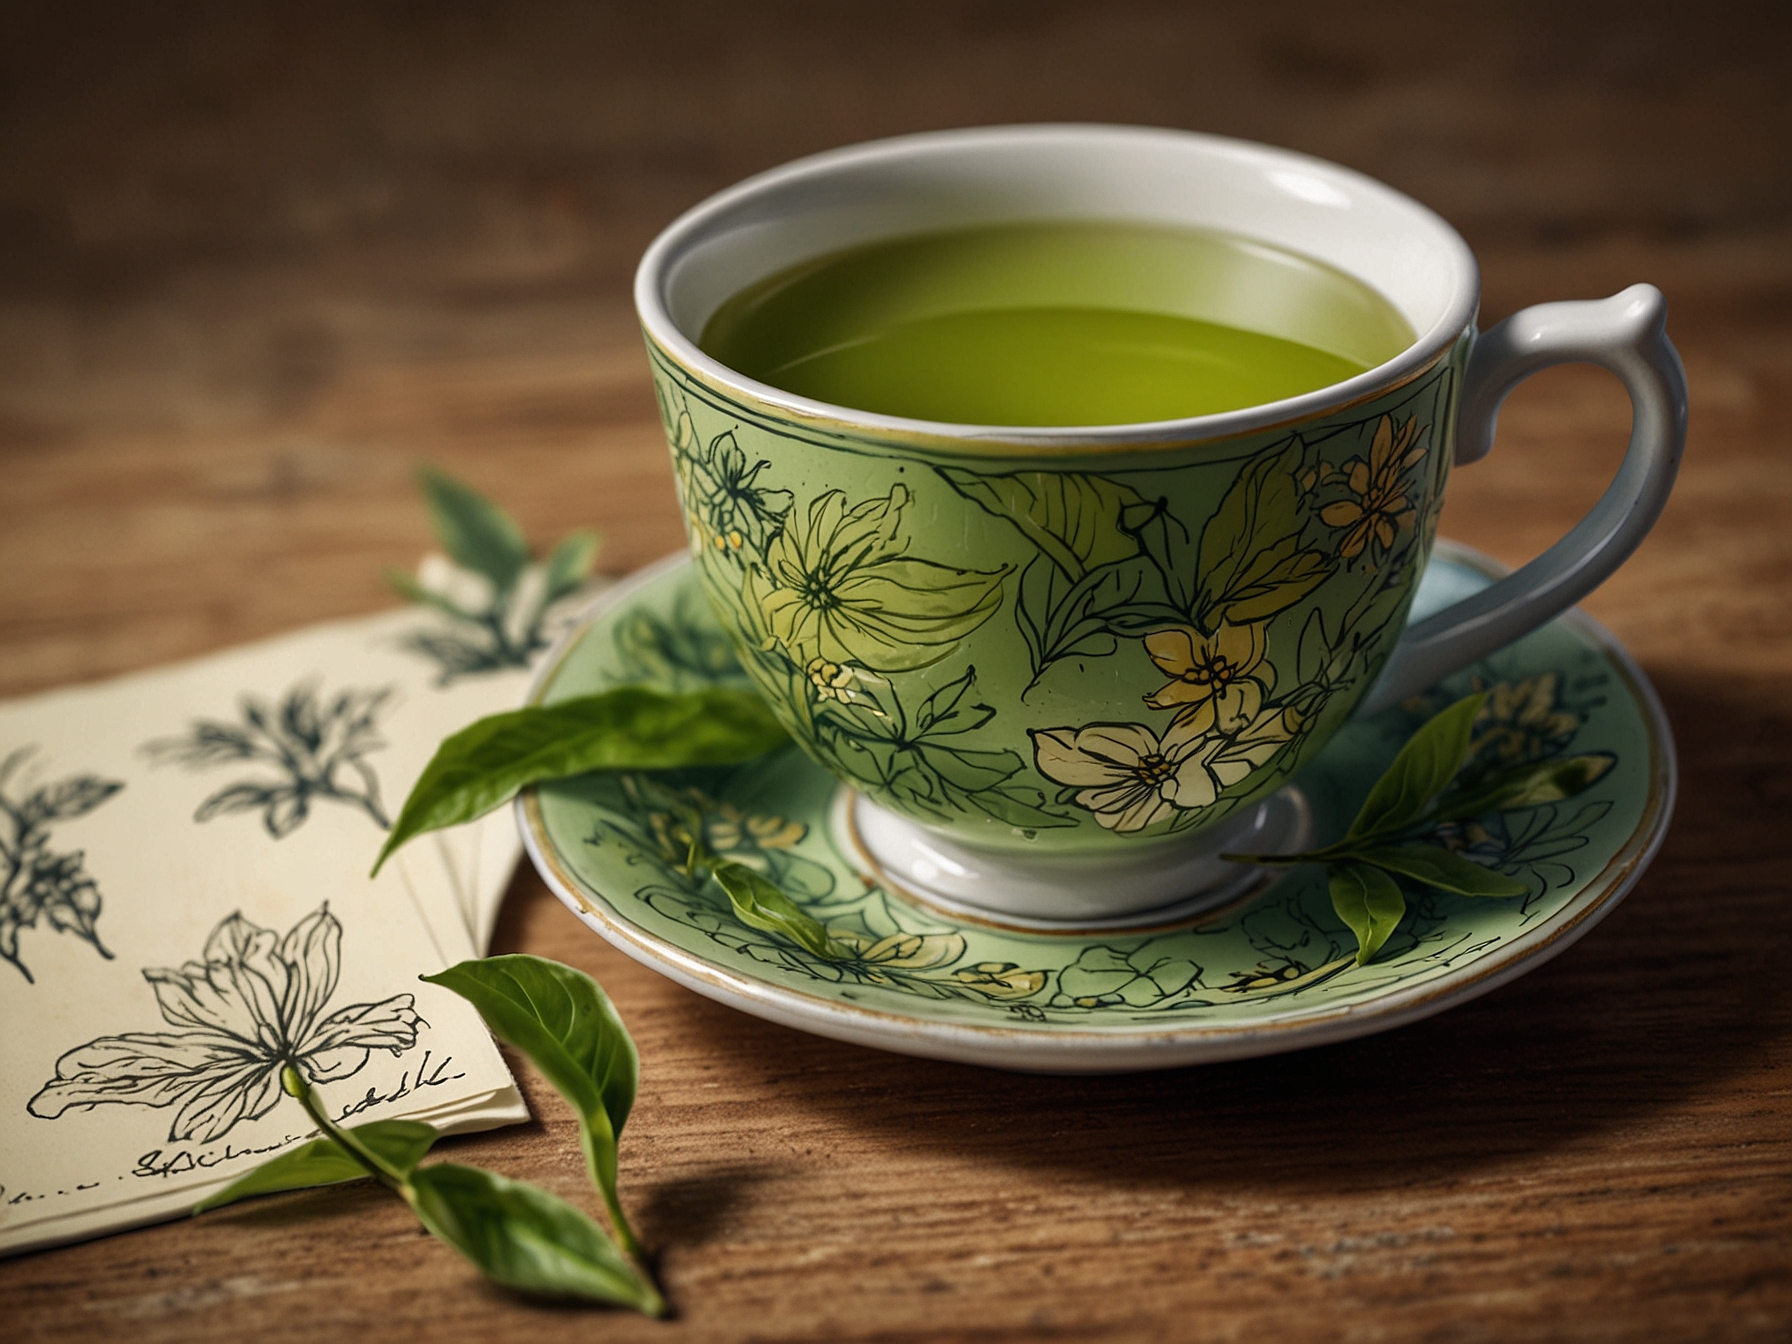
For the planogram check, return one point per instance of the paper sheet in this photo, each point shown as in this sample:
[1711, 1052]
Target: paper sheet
[188, 907]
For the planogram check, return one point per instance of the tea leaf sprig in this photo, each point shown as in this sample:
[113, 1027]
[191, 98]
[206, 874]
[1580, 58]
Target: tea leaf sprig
[489, 583]
[629, 728]
[516, 1234]
[484, 765]
[1418, 793]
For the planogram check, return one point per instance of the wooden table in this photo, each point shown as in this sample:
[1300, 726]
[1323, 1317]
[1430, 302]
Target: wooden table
[256, 261]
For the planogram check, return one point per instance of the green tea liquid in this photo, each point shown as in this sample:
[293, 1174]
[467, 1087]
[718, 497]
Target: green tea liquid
[1056, 324]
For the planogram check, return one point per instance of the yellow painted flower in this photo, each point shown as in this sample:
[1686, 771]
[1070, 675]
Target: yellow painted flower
[739, 835]
[727, 832]
[1130, 778]
[831, 680]
[1379, 508]
[1520, 720]
[1218, 681]
[837, 586]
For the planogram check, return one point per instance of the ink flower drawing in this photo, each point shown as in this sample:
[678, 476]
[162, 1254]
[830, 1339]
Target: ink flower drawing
[314, 748]
[37, 882]
[256, 1003]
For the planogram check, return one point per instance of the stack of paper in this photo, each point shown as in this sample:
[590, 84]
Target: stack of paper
[186, 909]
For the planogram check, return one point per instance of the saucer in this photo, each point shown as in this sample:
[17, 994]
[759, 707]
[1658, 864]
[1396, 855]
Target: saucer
[1273, 969]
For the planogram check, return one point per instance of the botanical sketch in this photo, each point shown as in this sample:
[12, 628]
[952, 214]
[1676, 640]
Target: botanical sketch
[308, 747]
[36, 881]
[255, 1003]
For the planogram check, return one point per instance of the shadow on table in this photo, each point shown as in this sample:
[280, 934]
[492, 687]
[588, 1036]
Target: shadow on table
[1680, 988]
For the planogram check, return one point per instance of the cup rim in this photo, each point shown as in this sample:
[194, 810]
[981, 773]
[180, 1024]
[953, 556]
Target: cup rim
[695, 224]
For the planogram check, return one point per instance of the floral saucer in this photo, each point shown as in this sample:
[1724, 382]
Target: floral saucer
[1274, 970]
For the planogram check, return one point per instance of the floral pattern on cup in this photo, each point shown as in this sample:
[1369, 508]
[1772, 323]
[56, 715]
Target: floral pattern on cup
[1243, 602]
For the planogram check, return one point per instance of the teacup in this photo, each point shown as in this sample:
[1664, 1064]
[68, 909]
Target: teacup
[1059, 669]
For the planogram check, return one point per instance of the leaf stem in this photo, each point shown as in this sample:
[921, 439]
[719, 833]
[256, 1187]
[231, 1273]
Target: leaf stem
[377, 1166]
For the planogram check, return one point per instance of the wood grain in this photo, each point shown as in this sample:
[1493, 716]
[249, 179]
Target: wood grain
[256, 261]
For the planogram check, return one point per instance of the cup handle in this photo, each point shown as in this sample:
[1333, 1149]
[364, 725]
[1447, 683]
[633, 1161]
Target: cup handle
[1624, 334]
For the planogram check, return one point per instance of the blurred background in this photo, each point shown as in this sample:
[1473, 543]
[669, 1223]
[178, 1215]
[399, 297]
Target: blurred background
[257, 260]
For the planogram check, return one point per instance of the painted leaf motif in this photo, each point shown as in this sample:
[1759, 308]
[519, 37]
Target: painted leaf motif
[1020, 805]
[1072, 517]
[1369, 902]
[525, 1238]
[235, 798]
[1250, 559]
[1102, 974]
[1127, 598]
[59, 889]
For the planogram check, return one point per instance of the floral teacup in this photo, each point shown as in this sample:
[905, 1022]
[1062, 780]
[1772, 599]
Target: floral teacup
[1060, 668]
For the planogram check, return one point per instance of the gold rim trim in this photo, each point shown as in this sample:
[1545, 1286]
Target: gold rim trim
[995, 447]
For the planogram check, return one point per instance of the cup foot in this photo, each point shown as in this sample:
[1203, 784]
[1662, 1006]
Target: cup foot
[1161, 884]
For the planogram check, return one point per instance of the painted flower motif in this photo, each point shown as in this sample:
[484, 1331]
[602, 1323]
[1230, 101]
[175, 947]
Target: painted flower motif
[744, 837]
[1378, 508]
[254, 1005]
[831, 680]
[727, 832]
[1130, 778]
[722, 492]
[1520, 721]
[838, 587]
[918, 961]
[1217, 681]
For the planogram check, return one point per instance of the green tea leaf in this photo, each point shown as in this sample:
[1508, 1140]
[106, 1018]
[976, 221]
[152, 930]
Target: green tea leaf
[565, 1023]
[1529, 785]
[525, 1238]
[1073, 518]
[1438, 867]
[570, 563]
[1425, 765]
[402, 1143]
[759, 903]
[477, 533]
[1369, 902]
[630, 728]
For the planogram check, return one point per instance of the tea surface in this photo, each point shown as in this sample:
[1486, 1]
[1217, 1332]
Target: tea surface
[1056, 324]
